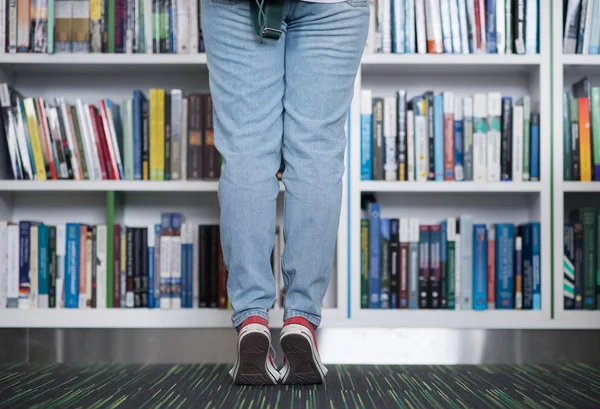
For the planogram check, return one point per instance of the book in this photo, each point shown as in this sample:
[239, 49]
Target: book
[404, 263]
[479, 267]
[374, 255]
[364, 263]
[451, 263]
[535, 147]
[468, 138]
[390, 139]
[449, 135]
[435, 277]
[366, 118]
[506, 154]
[394, 262]
[518, 273]
[537, 267]
[525, 232]
[466, 274]
[438, 138]
[377, 139]
[494, 136]
[413, 263]
[424, 267]
[459, 168]
[384, 280]
[505, 248]
[491, 267]
[480, 145]
[569, 266]
[443, 264]
[402, 115]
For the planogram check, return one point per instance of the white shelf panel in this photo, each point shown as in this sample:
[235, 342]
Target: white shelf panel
[110, 185]
[450, 187]
[582, 187]
[133, 318]
[579, 319]
[579, 59]
[460, 319]
[449, 63]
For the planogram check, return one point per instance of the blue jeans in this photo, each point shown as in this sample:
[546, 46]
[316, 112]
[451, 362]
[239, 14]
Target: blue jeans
[288, 97]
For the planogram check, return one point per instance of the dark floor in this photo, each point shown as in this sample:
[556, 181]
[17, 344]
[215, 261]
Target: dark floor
[208, 386]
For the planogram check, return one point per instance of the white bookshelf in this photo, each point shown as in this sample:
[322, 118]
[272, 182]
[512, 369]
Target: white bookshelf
[567, 195]
[92, 77]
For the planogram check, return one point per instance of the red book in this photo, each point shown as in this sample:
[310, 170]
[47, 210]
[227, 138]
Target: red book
[117, 266]
[491, 268]
[108, 140]
[479, 28]
[108, 164]
[96, 136]
[403, 265]
[448, 136]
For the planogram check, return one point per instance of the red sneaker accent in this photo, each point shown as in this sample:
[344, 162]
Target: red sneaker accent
[305, 323]
[255, 319]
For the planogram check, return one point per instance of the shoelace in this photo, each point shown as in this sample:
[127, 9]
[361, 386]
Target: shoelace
[262, 16]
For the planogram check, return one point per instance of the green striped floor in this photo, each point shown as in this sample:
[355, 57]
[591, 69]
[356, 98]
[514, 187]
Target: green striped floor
[208, 386]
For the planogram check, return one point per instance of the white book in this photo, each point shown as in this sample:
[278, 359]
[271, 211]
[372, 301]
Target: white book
[587, 34]
[517, 145]
[531, 27]
[101, 279]
[421, 148]
[455, 27]
[33, 266]
[434, 26]
[55, 135]
[466, 252]
[22, 138]
[12, 282]
[195, 22]
[500, 27]
[386, 28]
[183, 27]
[479, 138]
[184, 138]
[420, 25]
[115, 152]
[508, 37]
[88, 152]
[196, 262]
[3, 264]
[390, 136]
[3, 32]
[371, 45]
[472, 24]
[61, 252]
[464, 26]
[148, 25]
[12, 26]
[491, 236]
[459, 172]
[129, 25]
[68, 128]
[177, 240]
[518, 289]
[494, 136]
[410, 27]
[410, 144]
[165, 274]
[446, 25]
[457, 270]
[570, 31]
[13, 145]
[176, 97]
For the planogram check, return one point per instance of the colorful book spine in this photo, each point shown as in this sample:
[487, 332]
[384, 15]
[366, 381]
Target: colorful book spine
[448, 144]
[458, 267]
[151, 272]
[72, 266]
[466, 276]
[479, 267]
[491, 26]
[518, 273]
[491, 267]
[137, 114]
[424, 267]
[165, 261]
[366, 121]
[459, 168]
[435, 278]
[468, 137]
[394, 261]
[43, 260]
[517, 144]
[377, 140]
[535, 147]
[585, 158]
[402, 134]
[390, 139]
[595, 118]
[421, 139]
[494, 136]
[505, 298]
[479, 138]
[451, 263]
[527, 243]
[536, 264]
[404, 262]
[364, 263]
[413, 264]
[24, 255]
[431, 149]
[33, 266]
[571, 32]
[506, 153]
[569, 267]
[438, 137]
[398, 26]
[443, 264]
[384, 280]
[52, 266]
[435, 43]
[374, 254]
[175, 267]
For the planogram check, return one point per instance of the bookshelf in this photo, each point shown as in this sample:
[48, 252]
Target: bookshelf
[567, 195]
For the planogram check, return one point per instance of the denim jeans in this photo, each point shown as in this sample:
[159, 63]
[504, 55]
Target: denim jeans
[287, 97]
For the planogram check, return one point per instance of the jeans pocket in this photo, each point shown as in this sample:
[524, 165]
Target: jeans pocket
[227, 2]
[357, 3]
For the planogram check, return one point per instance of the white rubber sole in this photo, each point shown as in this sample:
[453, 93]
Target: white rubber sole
[303, 364]
[252, 365]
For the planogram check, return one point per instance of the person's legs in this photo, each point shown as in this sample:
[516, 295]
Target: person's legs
[247, 86]
[324, 45]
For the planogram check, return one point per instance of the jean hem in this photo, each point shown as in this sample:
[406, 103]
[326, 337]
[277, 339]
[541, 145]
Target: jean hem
[313, 319]
[239, 318]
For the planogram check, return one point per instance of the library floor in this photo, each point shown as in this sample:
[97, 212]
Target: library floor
[348, 386]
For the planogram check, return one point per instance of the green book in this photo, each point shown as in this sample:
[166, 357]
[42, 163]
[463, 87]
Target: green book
[142, 28]
[50, 28]
[79, 142]
[364, 263]
[589, 218]
[127, 121]
[52, 266]
[110, 255]
[595, 123]
[110, 25]
[451, 263]
[567, 157]
[526, 102]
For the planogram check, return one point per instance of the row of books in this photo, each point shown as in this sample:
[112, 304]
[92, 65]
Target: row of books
[456, 264]
[454, 26]
[163, 137]
[581, 21]
[441, 137]
[581, 132]
[100, 26]
[74, 265]
[580, 260]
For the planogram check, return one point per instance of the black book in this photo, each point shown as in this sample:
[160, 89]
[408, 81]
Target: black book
[94, 267]
[214, 266]
[195, 144]
[203, 281]
[378, 143]
[145, 140]
[167, 136]
[506, 140]
[569, 254]
[430, 135]
[65, 145]
[52, 266]
[518, 26]
[129, 302]
[394, 260]
[401, 130]
[137, 268]
[144, 267]
[575, 162]
[424, 267]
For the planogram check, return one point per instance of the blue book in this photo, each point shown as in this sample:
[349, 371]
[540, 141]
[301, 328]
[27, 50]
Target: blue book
[172, 32]
[190, 265]
[526, 234]
[384, 280]
[459, 174]
[491, 26]
[595, 37]
[138, 99]
[410, 46]
[155, 283]
[505, 275]
[398, 25]
[443, 264]
[24, 256]
[536, 237]
[176, 290]
[374, 254]
[165, 280]
[366, 131]
[479, 267]
[438, 136]
[185, 285]
[43, 260]
[582, 26]
[151, 267]
[72, 267]
[534, 167]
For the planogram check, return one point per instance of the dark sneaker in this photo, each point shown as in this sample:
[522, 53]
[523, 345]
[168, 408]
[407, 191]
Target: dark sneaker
[254, 364]
[302, 363]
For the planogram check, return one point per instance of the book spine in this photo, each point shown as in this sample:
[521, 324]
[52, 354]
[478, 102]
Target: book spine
[535, 147]
[222, 287]
[466, 276]
[526, 137]
[374, 255]
[410, 28]
[3, 42]
[195, 148]
[403, 268]
[129, 260]
[214, 267]
[43, 260]
[176, 98]
[394, 261]
[480, 11]
[518, 273]
[501, 26]
[472, 26]
[175, 265]
[115, 284]
[423, 34]
[491, 26]
[13, 270]
[448, 141]
[377, 139]
[101, 261]
[24, 21]
[433, 24]
[92, 299]
[451, 263]
[35, 138]
[517, 144]
[384, 280]
[166, 114]
[12, 26]
[398, 26]
[136, 267]
[494, 137]
[459, 168]
[579, 282]
[33, 266]
[505, 298]
[455, 27]
[589, 219]
[364, 263]
[527, 270]
[128, 135]
[434, 266]
[390, 139]
[386, 26]
[413, 264]
[96, 11]
[402, 135]
[421, 140]
[204, 242]
[519, 26]
[157, 266]
[143, 250]
[491, 267]
[436, 137]
[39, 22]
[574, 142]
[479, 138]
[595, 122]
[569, 267]
[463, 26]
[81, 26]
[468, 137]
[443, 264]
[52, 266]
[536, 257]
[458, 267]
[479, 267]
[531, 28]
[151, 236]
[585, 159]
[446, 25]
[24, 259]
[137, 138]
[72, 266]
[410, 145]
[424, 267]
[506, 143]
[84, 258]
